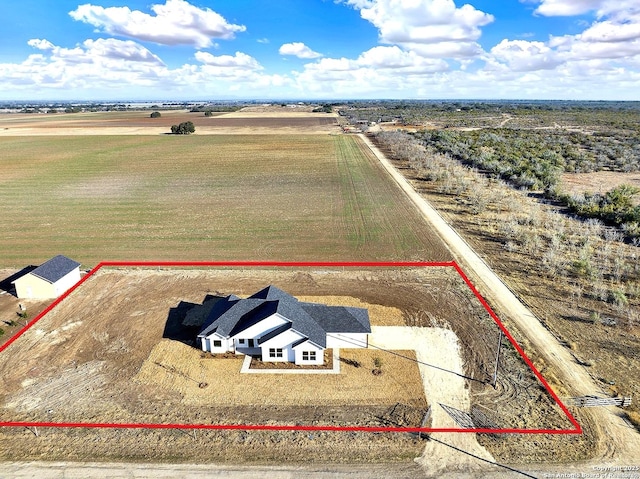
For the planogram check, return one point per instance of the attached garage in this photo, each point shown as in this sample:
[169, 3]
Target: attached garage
[49, 280]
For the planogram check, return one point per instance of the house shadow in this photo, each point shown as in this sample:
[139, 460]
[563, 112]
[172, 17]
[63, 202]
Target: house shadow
[6, 283]
[177, 329]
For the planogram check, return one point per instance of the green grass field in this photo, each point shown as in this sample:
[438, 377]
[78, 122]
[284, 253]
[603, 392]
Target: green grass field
[272, 197]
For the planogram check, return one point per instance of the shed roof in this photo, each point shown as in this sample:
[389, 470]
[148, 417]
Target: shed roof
[56, 268]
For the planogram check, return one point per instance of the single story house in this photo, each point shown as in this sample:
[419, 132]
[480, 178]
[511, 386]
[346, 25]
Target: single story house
[279, 328]
[49, 280]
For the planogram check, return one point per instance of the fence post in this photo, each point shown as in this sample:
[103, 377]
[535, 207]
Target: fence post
[425, 419]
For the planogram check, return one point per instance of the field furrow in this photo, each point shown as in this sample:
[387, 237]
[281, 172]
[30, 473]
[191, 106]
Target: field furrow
[271, 197]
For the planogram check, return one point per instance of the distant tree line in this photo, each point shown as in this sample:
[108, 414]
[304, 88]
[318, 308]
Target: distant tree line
[215, 108]
[325, 108]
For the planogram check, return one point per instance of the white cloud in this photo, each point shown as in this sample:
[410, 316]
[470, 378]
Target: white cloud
[40, 44]
[99, 69]
[521, 55]
[177, 22]
[553, 8]
[611, 43]
[616, 8]
[382, 69]
[612, 32]
[240, 60]
[435, 28]
[298, 49]
[113, 49]
[98, 51]
[107, 63]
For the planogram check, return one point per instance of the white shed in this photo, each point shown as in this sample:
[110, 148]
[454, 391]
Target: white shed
[49, 280]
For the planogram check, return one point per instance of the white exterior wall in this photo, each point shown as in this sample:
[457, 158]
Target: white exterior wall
[282, 341]
[67, 281]
[347, 340]
[207, 344]
[307, 346]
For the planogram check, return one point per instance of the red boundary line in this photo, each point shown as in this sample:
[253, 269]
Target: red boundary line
[576, 430]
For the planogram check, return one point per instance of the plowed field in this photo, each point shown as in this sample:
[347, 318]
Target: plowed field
[272, 197]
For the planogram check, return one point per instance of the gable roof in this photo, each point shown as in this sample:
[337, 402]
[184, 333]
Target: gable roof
[272, 293]
[55, 269]
[231, 316]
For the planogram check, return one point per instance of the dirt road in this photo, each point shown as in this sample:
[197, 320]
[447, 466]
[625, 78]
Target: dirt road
[617, 443]
[96, 470]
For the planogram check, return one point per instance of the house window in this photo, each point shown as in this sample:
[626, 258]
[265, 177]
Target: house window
[275, 352]
[240, 341]
[308, 355]
[217, 343]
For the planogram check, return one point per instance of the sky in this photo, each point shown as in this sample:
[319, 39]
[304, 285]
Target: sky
[319, 49]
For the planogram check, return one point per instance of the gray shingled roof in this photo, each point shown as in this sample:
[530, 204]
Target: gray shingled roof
[339, 319]
[55, 269]
[231, 316]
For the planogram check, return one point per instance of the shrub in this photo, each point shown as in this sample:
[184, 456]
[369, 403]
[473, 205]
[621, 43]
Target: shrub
[184, 128]
[634, 418]
[377, 364]
[155, 114]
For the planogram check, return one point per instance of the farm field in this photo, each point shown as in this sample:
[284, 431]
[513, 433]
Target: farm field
[95, 359]
[280, 121]
[225, 197]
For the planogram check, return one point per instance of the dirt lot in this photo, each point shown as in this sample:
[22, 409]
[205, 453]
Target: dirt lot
[140, 123]
[598, 182]
[100, 345]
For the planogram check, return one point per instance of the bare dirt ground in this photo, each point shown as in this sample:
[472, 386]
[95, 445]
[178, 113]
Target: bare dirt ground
[99, 341]
[598, 181]
[179, 368]
[140, 123]
[606, 437]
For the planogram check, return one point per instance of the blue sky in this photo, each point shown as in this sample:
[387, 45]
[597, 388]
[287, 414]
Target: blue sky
[319, 49]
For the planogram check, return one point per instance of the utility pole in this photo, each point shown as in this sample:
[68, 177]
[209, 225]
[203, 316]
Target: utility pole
[495, 373]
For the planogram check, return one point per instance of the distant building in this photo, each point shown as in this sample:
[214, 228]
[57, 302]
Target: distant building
[279, 328]
[49, 280]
